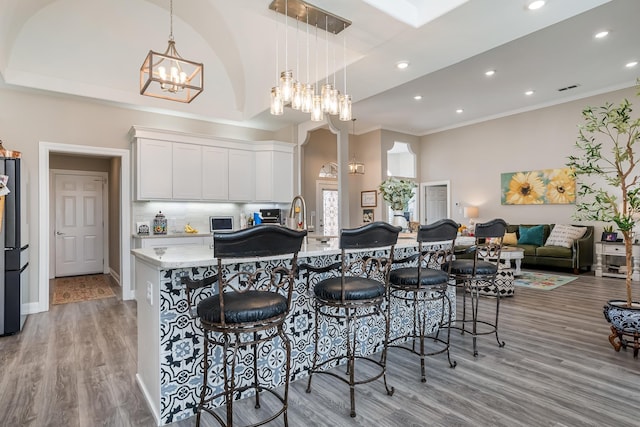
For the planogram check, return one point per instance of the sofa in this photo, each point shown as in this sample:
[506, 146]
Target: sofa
[540, 252]
[544, 253]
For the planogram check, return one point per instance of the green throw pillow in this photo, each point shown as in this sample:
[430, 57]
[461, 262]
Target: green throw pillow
[531, 235]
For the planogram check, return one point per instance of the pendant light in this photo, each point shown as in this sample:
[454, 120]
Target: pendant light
[168, 75]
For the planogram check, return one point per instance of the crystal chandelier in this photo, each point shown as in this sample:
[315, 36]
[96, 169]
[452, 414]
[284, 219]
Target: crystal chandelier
[304, 97]
[168, 75]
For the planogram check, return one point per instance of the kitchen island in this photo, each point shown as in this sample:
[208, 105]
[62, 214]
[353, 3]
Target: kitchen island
[170, 343]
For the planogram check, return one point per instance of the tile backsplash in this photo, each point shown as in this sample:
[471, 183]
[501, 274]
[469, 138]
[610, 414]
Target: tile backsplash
[196, 214]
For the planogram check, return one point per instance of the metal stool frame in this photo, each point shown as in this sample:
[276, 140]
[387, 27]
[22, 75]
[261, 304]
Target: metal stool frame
[262, 241]
[424, 282]
[355, 266]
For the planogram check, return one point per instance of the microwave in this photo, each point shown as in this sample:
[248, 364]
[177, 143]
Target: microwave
[220, 223]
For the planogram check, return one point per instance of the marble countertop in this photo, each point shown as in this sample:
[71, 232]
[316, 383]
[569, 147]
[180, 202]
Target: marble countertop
[201, 255]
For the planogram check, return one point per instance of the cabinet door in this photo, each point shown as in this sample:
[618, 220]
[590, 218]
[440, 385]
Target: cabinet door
[274, 176]
[241, 175]
[187, 171]
[154, 169]
[163, 242]
[215, 173]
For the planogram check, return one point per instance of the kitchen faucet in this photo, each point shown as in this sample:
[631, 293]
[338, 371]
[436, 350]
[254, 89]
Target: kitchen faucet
[298, 211]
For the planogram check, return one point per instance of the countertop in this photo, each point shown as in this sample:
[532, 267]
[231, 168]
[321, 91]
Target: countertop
[201, 255]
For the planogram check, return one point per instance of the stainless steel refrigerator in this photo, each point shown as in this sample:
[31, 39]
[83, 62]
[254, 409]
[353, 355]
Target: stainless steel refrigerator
[15, 263]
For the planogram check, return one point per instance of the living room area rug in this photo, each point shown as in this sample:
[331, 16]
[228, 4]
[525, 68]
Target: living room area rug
[544, 281]
[81, 288]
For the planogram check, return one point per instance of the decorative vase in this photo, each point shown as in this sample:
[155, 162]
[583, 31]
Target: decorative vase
[399, 220]
[624, 321]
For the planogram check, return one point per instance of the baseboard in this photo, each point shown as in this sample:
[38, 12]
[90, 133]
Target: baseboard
[114, 274]
[31, 308]
[147, 398]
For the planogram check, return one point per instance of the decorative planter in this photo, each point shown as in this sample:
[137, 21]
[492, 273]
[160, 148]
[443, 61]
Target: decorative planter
[399, 220]
[625, 322]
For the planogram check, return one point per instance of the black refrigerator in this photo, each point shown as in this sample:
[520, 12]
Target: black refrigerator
[14, 265]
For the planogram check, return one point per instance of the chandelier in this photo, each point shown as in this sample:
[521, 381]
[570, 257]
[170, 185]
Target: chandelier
[355, 167]
[168, 75]
[308, 97]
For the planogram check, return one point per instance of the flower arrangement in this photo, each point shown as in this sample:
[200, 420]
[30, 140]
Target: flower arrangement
[397, 192]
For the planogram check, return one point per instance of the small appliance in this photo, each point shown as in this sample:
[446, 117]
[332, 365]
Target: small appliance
[220, 223]
[272, 216]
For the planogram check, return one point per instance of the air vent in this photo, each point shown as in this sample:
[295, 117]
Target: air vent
[562, 89]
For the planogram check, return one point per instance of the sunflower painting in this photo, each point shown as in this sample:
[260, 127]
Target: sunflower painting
[541, 187]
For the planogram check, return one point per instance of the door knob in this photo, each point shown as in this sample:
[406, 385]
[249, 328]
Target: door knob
[59, 233]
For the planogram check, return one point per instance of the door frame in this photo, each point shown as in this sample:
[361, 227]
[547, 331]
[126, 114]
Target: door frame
[44, 149]
[105, 216]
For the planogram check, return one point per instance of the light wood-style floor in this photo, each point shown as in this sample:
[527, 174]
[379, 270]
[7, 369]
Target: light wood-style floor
[76, 364]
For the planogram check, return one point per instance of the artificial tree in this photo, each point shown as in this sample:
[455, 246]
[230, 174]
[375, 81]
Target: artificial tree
[607, 142]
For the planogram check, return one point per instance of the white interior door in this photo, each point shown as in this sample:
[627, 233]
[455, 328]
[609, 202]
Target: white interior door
[327, 223]
[79, 227]
[436, 202]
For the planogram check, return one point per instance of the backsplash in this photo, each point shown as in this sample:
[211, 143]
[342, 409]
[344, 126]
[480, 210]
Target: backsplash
[196, 214]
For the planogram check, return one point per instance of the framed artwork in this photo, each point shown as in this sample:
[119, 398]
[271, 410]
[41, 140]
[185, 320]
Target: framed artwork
[143, 227]
[367, 216]
[369, 199]
[538, 187]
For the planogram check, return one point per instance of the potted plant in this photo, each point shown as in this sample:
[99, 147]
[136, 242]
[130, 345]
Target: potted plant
[397, 192]
[607, 141]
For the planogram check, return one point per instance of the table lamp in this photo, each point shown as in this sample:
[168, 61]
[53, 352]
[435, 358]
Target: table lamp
[471, 212]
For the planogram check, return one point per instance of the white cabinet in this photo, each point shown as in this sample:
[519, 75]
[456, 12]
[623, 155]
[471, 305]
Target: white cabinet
[177, 166]
[153, 169]
[187, 171]
[215, 173]
[163, 242]
[274, 176]
[241, 175]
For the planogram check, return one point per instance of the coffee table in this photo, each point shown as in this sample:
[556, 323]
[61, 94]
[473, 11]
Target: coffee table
[509, 253]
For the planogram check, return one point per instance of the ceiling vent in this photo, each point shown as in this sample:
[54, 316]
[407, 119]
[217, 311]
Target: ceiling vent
[562, 89]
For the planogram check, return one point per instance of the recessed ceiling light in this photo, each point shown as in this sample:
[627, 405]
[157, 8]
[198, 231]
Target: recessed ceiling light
[632, 64]
[417, 97]
[490, 73]
[536, 4]
[459, 111]
[529, 92]
[602, 34]
[402, 65]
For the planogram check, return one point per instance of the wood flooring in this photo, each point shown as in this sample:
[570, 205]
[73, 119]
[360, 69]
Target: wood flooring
[75, 366]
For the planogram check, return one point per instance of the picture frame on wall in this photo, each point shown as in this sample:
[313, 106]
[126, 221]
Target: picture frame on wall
[369, 199]
[367, 216]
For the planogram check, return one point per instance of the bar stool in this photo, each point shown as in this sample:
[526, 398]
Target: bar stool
[349, 291]
[248, 308]
[479, 273]
[423, 287]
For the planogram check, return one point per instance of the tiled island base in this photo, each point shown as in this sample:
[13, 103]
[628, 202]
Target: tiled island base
[170, 348]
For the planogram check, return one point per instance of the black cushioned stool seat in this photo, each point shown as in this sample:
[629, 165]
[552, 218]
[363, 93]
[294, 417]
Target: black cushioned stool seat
[251, 306]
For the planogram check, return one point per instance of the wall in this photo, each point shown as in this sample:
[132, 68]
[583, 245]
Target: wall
[473, 157]
[29, 117]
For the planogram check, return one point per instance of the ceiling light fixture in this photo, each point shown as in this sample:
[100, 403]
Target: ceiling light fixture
[535, 4]
[355, 167]
[631, 64]
[529, 92]
[601, 34]
[402, 65]
[417, 97]
[459, 111]
[168, 75]
[490, 73]
[305, 97]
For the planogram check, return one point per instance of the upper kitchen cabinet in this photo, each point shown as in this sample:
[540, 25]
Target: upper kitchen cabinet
[215, 176]
[187, 171]
[153, 163]
[274, 174]
[178, 166]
